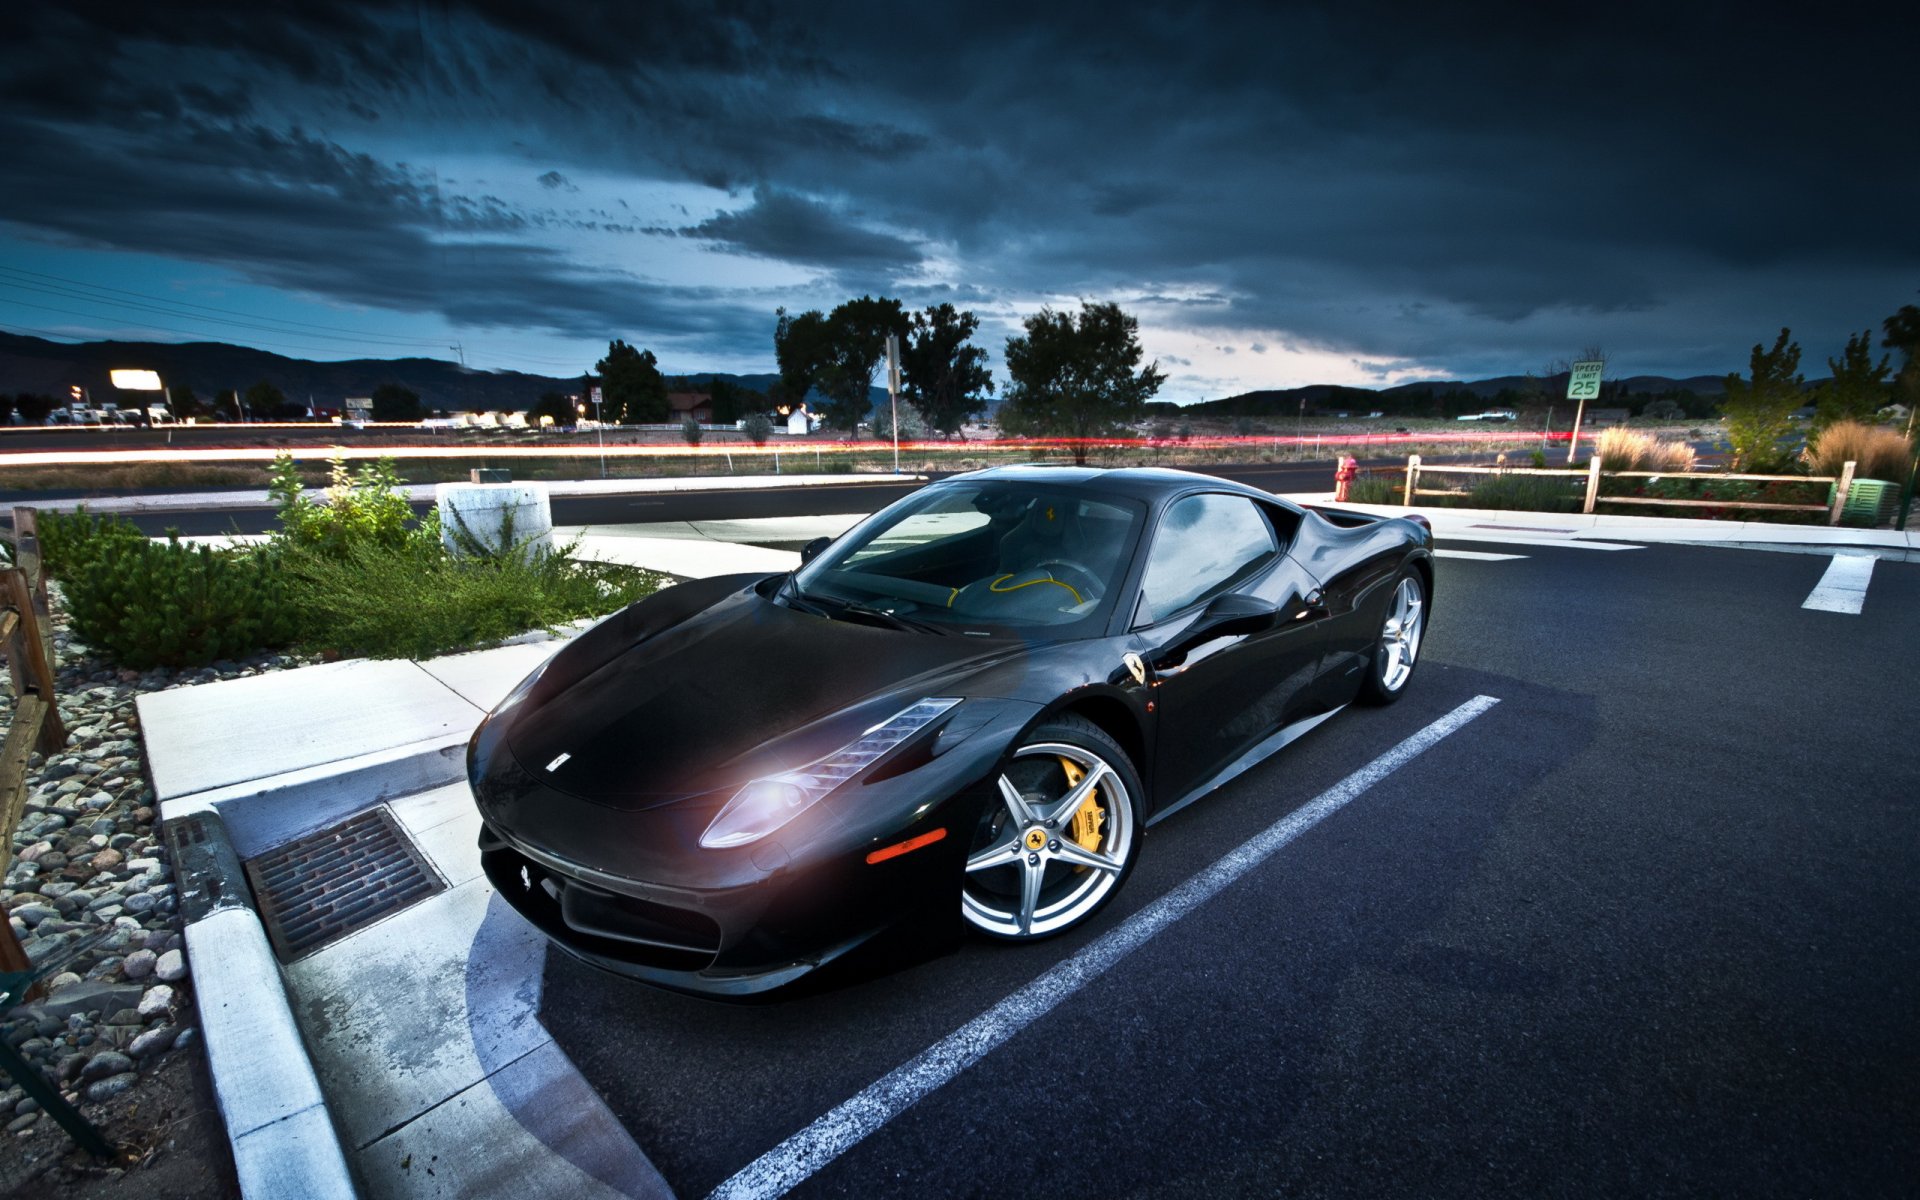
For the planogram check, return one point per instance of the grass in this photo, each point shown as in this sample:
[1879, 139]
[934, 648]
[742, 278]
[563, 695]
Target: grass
[1529, 493]
[416, 601]
[1876, 452]
[1623, 449]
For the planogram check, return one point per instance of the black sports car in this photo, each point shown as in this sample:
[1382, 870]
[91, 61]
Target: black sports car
[972, 704]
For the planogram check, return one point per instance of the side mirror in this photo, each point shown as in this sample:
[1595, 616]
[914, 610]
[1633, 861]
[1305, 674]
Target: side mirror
[812, 549]
[1227, 615]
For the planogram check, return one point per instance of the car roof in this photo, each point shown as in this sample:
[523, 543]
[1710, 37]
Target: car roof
[1145, 483]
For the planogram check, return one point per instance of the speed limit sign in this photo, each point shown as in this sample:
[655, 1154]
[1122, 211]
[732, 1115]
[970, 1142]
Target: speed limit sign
[1584, 383]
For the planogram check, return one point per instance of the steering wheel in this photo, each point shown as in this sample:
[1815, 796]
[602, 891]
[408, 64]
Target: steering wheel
[1081, 579]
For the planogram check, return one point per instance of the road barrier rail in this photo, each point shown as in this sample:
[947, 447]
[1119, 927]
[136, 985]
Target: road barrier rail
[1593, 475]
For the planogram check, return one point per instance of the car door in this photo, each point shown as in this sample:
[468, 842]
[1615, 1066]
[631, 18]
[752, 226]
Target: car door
[1216, 699]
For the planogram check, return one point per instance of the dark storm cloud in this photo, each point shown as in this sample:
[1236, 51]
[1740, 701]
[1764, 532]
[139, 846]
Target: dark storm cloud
[1476, 187]
[790, 228]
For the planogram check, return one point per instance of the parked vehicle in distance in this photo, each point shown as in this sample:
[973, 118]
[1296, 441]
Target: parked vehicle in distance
[963, 713]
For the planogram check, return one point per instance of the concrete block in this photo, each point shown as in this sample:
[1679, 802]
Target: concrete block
[501, 517]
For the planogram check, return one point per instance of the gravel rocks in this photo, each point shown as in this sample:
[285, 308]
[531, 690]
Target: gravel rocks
[103, 1064]
[112, 1086]
[90, 887]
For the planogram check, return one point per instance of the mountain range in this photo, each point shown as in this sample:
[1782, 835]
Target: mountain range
[31, 364]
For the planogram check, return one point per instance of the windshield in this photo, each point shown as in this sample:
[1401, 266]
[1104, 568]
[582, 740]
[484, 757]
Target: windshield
[990, 557]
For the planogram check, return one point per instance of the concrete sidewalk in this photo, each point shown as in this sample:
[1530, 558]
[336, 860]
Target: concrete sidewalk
[424, 492]
[1507, 525]
[421, 1028]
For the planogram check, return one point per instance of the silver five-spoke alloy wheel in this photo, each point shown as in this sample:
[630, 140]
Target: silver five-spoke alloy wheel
[1400, 636]
[1030, 875]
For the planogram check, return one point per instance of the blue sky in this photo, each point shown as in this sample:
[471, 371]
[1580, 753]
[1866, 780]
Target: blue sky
[1361, 194]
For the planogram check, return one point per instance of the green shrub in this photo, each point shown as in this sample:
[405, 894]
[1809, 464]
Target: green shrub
[363, 508]
[1731, 491]
[147, 604]
[1529, 493]
[70, 541]
[1377, 489]
[416, 601]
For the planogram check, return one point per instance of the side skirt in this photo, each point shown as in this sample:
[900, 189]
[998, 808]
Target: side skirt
[1261, 750]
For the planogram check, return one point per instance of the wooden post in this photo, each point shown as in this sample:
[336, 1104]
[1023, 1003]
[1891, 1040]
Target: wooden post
[26, 556]
[29, 714]
[1413, 478]
[1593, 483]
[1840, 494]
[27, 658]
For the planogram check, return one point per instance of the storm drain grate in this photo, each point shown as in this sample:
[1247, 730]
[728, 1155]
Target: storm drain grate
[328, 884]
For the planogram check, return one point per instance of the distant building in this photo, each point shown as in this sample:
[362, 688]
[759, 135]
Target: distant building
[697, 406]
[1606, 416]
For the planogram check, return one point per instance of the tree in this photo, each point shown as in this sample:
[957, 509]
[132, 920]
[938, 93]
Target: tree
[632, 390]
[803, 347]
[182, 401]
[1858, 388]
[1903, 334]
[557, 405]
[33, 407]
[692, 430]
[946, 379]
[264, 401]
[1076, 378]
[757, 428]
[1759, 411]
[392, 402]
[858, 331]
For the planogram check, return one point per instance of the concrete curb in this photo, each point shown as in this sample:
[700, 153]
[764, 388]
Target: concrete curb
[262, 813]
[283, 1138]
[1688, 531]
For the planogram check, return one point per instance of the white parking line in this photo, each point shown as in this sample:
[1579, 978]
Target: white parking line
[793, 1161]
[1475, 555]
[1843, 589]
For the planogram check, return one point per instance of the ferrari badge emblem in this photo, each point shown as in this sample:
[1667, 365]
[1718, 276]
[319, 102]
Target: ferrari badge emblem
[1036, 839]
[1135, 667]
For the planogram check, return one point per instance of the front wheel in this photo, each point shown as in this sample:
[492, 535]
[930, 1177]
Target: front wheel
[1398, 648]
[1061, 838]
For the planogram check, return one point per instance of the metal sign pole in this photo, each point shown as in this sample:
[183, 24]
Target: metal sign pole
[1583, 384]
[893, 393]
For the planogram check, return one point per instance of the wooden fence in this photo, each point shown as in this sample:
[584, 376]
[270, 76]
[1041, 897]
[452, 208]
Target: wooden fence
[1593, 475]
[26, 634]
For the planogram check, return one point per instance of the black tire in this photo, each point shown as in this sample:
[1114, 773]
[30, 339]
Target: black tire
[1395, 656]
[993, 885]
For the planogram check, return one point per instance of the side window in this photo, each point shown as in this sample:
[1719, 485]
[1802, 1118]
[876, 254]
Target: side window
[1205, 545]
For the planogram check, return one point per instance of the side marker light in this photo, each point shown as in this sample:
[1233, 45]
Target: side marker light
[911, 844]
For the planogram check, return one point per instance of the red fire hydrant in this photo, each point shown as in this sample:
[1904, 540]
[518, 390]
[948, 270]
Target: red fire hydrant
[1344, 477]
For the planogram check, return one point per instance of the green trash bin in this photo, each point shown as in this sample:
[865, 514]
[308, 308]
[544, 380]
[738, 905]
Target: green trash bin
[1870, 503]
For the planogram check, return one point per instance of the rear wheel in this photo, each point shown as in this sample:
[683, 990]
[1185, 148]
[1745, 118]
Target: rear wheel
[1061, 838]
[1398, 648]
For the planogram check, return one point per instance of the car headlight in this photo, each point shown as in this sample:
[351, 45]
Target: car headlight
[766, 804]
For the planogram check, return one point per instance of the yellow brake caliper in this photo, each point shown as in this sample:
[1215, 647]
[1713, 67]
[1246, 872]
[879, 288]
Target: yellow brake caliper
[1085, 826]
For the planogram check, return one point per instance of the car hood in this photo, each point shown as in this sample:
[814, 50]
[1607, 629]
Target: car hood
[741, 688]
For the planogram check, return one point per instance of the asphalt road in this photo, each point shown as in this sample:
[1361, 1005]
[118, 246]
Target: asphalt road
[1645, 928]
[852, 496]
